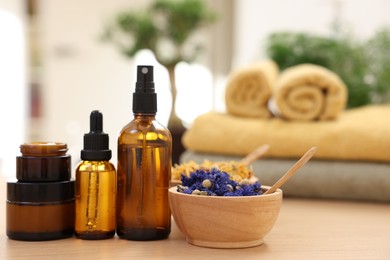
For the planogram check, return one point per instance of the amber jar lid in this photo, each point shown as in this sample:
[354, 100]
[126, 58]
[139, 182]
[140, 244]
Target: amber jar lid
[36, 192]
[43, 149]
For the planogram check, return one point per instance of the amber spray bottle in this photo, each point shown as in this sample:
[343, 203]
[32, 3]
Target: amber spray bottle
[95, 185]
[144, 168]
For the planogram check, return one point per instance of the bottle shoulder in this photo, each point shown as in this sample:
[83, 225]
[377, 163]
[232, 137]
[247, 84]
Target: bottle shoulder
[105, 166]
[146, 123]
[139, 129]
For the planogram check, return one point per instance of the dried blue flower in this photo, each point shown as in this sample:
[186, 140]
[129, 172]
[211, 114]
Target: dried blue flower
[214, 182]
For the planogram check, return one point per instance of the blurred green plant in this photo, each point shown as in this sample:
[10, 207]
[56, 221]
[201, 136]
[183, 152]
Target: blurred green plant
[165, 28]
[364, 66]
[378, 53]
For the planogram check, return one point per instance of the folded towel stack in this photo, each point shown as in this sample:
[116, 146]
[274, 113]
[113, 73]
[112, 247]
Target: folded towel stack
[360, 134]
[309, 92]
[249, 89]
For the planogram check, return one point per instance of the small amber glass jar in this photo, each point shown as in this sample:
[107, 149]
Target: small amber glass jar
[40, 211]
[43, 162]
[40, 203]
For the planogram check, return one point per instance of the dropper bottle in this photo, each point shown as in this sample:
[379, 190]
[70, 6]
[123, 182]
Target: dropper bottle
[95, 185]
[144, 168]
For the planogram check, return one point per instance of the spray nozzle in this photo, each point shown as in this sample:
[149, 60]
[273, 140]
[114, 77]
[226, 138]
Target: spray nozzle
[96, 147]
[144, 79]
[144, 97]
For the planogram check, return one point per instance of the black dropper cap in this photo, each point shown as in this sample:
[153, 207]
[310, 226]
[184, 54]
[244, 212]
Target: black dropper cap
[96, 141]
[144, 97]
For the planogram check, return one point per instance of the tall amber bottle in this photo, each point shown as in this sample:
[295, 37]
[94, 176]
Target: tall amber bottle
[144, 168]
[95, 185]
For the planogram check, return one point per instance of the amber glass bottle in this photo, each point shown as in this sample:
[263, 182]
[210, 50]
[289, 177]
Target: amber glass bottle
[144, 168]
[95, 185]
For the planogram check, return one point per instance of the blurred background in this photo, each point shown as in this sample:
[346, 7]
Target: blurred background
[56, 65]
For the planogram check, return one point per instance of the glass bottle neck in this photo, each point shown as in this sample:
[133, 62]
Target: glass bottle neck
[149, 116]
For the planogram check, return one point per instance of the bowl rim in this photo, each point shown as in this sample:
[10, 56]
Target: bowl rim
[173, 190]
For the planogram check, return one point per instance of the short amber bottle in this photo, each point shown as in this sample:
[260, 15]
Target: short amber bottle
[40, 203]
[95, 185]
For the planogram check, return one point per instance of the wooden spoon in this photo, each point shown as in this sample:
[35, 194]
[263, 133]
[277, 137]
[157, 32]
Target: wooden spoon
[255, 154]
[304, 159]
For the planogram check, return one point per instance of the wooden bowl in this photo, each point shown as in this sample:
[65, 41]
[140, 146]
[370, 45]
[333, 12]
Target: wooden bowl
[174, 183]
[225, 222]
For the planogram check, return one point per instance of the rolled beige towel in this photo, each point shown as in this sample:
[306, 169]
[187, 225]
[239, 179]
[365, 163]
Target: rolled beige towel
[248, 89]
[309, 92]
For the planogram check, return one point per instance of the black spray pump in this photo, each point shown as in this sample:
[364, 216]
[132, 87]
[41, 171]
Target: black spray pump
[144, 97]
[96, 143]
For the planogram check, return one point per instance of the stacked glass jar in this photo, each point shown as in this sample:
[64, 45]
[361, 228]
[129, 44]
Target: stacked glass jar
[40, 203]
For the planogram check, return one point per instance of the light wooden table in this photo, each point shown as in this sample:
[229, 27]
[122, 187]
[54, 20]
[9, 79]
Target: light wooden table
[306, 229]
